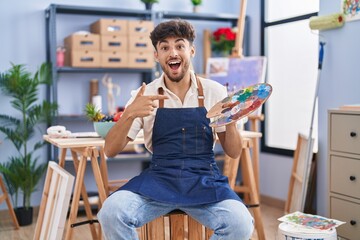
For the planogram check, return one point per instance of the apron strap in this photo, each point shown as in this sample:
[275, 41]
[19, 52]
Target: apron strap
[161, 101]
[200, 94]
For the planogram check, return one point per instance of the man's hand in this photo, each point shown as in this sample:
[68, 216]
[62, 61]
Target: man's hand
[143, 105]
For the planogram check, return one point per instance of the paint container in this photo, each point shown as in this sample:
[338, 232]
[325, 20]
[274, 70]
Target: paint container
[292, 232]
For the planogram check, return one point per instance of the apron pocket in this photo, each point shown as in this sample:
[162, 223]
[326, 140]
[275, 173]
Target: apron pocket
[194, 139]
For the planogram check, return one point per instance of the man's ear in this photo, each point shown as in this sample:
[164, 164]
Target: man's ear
[192, 51]
[156, 56]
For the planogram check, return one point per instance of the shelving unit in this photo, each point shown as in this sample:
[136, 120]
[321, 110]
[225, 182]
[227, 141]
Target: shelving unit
[51, 43]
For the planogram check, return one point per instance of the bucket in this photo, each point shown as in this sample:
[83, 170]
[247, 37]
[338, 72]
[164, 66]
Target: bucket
[292, 232]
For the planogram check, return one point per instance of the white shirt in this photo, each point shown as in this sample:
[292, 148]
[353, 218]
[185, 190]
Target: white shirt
[213, 93]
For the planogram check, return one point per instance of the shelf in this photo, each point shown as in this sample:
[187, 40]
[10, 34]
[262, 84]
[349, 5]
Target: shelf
[101, 70]
[199, 16]
[98, 11]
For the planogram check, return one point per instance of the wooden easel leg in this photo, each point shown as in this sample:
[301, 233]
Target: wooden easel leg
[104, 171]
[87, 153]
[80, 167]
[98, 179]
[249, 181]
[75, 200]
[8, 203]
[62, 158]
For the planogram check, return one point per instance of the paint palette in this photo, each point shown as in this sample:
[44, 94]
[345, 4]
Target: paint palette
[239, 104]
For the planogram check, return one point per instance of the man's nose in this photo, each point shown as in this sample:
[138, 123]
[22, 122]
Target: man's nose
[173, 52]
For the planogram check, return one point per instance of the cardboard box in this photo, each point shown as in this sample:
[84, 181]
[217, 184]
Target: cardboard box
[114, 59]
[113, 43]
[140, 28]
[140, 44]
[110, 27]
[82, 42]
[141, 60]
[82, 58]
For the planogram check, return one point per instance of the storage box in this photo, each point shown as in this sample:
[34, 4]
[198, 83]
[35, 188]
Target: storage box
[113, 43]
[110, 27]
[114, 59]
[141, 60]
[140, 28]
[82, 42]
[82, 58]
[140, 44]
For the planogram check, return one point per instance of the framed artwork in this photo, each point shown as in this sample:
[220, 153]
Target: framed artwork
[54, 204]
[237, 73]
[351, 9]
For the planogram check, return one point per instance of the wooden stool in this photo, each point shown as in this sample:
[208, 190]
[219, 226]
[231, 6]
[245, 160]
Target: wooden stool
[176, 224]
[5, 197]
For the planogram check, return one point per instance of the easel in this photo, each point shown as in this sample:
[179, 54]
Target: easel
[250, 173]
[254, 119]
[5, 197]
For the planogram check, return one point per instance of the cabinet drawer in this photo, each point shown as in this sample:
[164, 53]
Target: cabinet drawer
[345, 176]
[348, 212]
[344, 133]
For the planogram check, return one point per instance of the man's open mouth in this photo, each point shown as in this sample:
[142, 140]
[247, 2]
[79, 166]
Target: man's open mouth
[174, 64]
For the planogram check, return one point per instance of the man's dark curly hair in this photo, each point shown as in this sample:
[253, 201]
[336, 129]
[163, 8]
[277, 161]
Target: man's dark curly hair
[172, 28]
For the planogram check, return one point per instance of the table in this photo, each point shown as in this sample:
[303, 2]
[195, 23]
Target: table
[81, 150]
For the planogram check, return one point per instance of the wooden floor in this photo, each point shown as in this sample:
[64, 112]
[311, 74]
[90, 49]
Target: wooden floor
[7, 231]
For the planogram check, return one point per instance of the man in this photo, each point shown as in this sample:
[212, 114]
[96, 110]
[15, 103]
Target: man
[182, 174]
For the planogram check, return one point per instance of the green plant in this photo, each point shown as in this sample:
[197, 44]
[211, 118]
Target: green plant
[22, 172]
[196, 2]
[150, 1]
[92, 113]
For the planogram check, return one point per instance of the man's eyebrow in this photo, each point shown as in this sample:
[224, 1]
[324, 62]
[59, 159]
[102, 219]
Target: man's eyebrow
[180, 39]
[166, 41]
[163, 41]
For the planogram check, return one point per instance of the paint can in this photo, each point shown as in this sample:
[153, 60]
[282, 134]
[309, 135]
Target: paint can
[292, 232]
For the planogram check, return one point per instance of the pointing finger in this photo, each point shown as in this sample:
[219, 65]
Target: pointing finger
[157, 97]
[142, 90]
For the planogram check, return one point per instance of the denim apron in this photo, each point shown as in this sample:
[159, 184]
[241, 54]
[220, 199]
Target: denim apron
[183, 170]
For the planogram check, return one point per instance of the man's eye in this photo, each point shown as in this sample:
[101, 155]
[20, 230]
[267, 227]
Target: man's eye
[164, 48]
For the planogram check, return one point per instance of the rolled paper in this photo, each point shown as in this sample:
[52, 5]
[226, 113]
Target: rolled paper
[332, 21]
[97, 101]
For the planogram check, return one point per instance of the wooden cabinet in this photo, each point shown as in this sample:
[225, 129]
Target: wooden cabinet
[344, 170]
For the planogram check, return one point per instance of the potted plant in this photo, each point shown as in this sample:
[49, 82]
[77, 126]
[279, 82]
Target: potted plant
[22, 172]
[149, 3]
[196, 4]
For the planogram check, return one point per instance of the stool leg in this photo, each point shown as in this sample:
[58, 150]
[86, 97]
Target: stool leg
[249, 181]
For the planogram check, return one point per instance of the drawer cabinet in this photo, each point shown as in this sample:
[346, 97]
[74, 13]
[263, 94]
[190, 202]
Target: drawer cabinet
[344, 170]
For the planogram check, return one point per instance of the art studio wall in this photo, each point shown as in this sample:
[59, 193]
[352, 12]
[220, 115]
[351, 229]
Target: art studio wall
[23, 41]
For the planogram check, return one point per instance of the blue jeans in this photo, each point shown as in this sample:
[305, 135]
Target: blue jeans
[124, 211]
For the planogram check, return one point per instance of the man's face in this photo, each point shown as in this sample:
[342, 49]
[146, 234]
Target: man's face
[174, 56]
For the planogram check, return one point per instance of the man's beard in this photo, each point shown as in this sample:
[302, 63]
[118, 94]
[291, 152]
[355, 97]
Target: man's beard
[179, 77]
